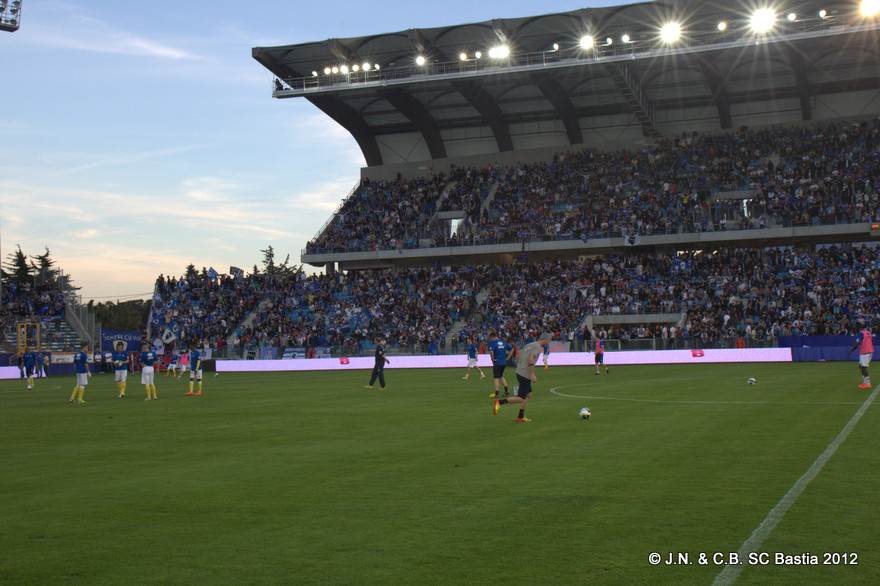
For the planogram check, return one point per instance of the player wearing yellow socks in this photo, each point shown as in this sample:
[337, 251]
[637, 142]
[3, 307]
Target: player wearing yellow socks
[81, 366]
[148, 362]
[195, 372]
[120, 368]
[30, 363]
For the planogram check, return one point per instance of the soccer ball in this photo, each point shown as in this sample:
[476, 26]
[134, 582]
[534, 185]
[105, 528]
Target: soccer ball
[752, 380]
[585, 413]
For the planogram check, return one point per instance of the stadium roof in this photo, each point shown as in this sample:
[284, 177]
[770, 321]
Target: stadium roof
[567, 67]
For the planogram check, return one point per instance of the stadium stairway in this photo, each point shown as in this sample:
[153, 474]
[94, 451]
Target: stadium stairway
[57, 336]
[461, 324]
[232, 339]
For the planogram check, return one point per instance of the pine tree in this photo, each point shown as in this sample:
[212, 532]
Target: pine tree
[44, 268]
[269, 260]
[18, 270]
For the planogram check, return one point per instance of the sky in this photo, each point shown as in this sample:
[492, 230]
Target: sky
[136, 138]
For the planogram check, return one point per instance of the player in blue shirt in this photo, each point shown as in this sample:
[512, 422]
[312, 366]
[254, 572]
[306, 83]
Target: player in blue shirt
[195, 371]
[148, 362]
[172, 366]
[500, 351]
[120, 368]
[472, 351]
[546, 348]
[29, 359]
[81, 367]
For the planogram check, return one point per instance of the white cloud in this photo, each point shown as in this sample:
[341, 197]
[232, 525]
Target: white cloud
[81, 32]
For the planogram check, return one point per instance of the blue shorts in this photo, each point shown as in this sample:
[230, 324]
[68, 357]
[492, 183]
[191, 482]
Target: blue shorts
[600, 358]
[29, 371]
[525, 387]
[498, 370]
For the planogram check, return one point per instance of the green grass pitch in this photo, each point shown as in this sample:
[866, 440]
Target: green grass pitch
[310, 479]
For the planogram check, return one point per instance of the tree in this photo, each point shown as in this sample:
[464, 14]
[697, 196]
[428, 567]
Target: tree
[18, 270]
[191, 273]
[122, 315]
[269, 260]
[44, 267]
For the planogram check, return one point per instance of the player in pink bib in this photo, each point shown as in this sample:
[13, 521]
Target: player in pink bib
[865, 344]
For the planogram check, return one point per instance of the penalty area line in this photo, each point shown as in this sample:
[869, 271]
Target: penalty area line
[730, 573]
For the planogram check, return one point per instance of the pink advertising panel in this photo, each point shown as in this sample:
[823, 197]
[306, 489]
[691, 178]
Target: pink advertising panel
[559, 359]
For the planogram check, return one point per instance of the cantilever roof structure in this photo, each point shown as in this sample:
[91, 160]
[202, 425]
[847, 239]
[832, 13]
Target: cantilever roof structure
[564, 71]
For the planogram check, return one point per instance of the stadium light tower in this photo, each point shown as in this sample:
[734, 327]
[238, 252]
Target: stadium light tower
[10, 15]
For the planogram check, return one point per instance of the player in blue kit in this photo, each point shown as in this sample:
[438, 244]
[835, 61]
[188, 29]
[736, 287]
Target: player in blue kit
[472, 360]
[500, 351]
[195, 372]
[546, 348]
[172, 365]
[29, 359]
[120, 368]
[148, 362]
[81, 367]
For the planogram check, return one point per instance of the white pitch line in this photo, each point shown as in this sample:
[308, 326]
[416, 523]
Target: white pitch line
[730, 573]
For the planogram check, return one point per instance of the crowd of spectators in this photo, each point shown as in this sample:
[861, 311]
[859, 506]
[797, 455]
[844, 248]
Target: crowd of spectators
[756, 294]
[34, 303]
[782, 176]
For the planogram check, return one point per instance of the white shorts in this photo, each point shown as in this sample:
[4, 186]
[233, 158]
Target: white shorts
[120, 375]
[82, 379]
[472, 362]
[147, 375]
[865, 360]
[196, 375]
[183, 367]
[172, 366]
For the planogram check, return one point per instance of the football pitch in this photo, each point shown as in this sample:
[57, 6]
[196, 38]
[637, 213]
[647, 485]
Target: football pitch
[308, 478]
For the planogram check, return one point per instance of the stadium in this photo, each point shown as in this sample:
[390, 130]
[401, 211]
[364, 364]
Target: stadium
[600, 307]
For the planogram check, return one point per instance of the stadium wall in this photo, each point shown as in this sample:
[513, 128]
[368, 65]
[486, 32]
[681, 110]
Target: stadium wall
[558, 359]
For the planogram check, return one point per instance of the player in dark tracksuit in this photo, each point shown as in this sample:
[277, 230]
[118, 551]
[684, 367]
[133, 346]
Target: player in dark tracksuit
[379, 367]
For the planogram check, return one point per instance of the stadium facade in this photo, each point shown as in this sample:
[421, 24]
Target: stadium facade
[518, 90]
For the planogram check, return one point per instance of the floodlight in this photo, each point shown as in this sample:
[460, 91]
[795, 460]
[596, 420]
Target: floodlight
[355, 67]
[763, 20]
[344, 70]
[327, 71]
[823, 13]
[335, 70]
[314, 74]
[478, 54]
[499, 52]
[609, 41]
[869, 8]
[462, 56]
[624, 38]
[587, 42]
[366, 66]
[722, 26]
[555, 46]
[420, 60]
[376, 66]
[670, 32]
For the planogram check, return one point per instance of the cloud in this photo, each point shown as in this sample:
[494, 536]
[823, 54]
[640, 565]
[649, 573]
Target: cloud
[325, 197]
[86, 234]
[81, 32]
[119, 161]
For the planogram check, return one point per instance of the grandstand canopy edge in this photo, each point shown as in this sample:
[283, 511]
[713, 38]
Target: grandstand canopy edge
[618, 94]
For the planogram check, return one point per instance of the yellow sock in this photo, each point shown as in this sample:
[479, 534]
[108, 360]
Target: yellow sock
[30, 381]
[122, 390]
[147, 389]
[82, 392]
[155, 394]
[190, 386]
[74, 393]
[200, 386]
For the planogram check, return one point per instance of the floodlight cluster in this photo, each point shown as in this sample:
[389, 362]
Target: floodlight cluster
[762, 21]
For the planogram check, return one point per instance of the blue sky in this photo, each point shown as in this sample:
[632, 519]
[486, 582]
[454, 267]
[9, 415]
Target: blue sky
[138, 137]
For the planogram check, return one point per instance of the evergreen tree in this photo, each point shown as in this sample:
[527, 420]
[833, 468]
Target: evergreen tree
[18, 270]
[191, 273]
[44, 268]
[269, 260]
